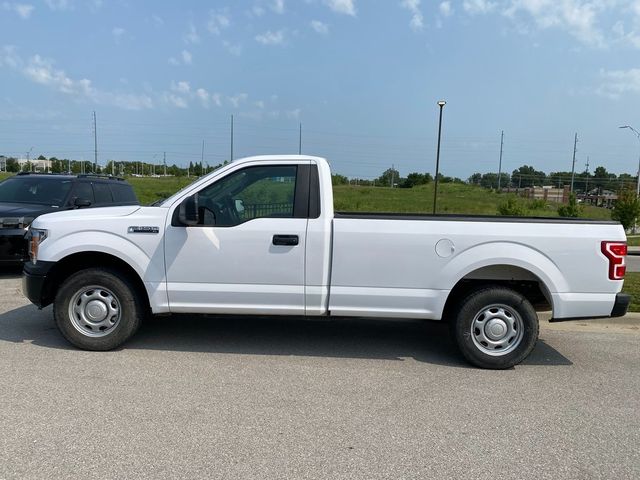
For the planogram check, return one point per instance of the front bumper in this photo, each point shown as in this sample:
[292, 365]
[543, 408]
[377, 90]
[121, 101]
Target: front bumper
[13, 246]
[34, 282]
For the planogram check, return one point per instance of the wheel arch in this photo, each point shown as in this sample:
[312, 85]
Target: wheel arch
[516, 278]
[73, 263]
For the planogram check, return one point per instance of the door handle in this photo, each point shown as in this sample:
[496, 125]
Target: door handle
[289, 240]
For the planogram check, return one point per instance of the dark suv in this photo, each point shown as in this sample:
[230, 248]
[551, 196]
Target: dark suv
[26, 195]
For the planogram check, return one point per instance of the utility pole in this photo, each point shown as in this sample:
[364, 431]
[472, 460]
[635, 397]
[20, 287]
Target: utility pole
[202, 158]
[586, 181]
[441, 104]
[300, 140]
[393, 169]
[95, 144]
[500, 162]
[164, 159]
[231, 159]
[573, 165]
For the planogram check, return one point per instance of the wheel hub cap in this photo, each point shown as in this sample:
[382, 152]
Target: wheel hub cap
[94, 311]
[497, 330]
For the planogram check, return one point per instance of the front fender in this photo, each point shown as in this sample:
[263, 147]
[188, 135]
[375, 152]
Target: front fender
[147, 259]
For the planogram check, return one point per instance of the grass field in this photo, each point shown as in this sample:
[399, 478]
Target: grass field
[452, 198]
[632, 287]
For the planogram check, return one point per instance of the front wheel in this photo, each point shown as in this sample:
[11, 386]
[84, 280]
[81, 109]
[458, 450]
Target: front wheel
[495, 327]
[97, 309]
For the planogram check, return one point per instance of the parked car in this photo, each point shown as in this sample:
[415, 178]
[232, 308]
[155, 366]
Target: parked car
[260, 237]
[25, 196]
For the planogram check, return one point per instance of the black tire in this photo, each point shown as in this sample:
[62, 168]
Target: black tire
[495, 327]
[96, 291]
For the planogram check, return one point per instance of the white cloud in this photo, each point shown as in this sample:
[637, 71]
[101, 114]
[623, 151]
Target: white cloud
[192, 34]
[23, 10]
[233, 49]
[187, 58]
[59, 4]
[43, 72]
[181, 87]
[446, 10]
[346, 7]
[257, 10]
[236, 100]
[475, 7]
[616, 83]
[417, 19]
[175, 100]
[259, 104]
[320, 27]
[117, 33]
[278, 6]
[578, 17]
[204, 97]
[217, 22]
[271, 38]
[173, 61]
[157, 20]
[294, 114]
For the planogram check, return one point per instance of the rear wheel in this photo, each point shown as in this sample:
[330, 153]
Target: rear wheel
[97, 309]
[495, 327]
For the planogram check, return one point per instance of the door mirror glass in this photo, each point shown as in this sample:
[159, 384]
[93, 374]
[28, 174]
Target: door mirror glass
[81, 202]
[188, 211]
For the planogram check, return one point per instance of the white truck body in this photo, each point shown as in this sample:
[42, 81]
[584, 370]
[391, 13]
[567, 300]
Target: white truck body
[392, 266]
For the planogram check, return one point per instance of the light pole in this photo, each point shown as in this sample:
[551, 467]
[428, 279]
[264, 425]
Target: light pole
[637, 134]
[441, 104]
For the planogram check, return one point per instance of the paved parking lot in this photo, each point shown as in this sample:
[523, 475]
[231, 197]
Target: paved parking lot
[197, 397]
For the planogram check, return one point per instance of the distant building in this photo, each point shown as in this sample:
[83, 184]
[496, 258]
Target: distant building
[36, 165]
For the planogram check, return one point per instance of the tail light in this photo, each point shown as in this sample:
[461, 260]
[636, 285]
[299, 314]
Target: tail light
[615, 253]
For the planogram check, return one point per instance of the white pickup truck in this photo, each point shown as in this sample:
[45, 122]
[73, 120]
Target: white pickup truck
[260, 237]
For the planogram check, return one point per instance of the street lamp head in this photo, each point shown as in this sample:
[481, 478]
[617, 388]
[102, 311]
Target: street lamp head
[442, 103]
[625, 126]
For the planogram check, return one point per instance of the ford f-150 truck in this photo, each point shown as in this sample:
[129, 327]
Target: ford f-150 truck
[259, 236]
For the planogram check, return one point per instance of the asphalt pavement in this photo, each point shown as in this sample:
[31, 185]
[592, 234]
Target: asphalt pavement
[196, 397]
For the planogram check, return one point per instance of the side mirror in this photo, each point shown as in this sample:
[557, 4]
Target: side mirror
[188, 211]
[81, 202]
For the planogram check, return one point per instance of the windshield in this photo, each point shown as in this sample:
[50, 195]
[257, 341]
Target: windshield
[38, 190]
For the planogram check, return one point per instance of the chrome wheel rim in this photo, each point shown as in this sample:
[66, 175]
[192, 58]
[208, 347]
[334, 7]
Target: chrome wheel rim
[94, 311]
[497, 330]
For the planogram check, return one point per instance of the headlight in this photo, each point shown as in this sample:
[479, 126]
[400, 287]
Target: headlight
[36, 237]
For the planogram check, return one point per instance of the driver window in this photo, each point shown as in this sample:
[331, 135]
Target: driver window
[254, 192]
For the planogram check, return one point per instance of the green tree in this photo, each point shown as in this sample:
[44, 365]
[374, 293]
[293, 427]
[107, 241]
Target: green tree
[527, 176]
[414, 179]
[475, 179]
[387, 176]
[12, 165]
[337, 179]
[627, 208]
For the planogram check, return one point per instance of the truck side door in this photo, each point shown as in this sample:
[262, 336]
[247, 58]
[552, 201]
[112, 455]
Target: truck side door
[246, 255]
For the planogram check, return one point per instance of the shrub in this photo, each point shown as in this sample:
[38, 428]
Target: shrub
[512, 207]
[572, 209]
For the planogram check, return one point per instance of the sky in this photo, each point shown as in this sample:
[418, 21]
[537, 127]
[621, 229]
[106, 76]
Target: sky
[362, 77]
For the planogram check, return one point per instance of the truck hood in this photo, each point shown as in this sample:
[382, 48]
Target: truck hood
[85, 217]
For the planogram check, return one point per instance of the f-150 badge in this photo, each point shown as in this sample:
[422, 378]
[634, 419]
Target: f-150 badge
[143, 230]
